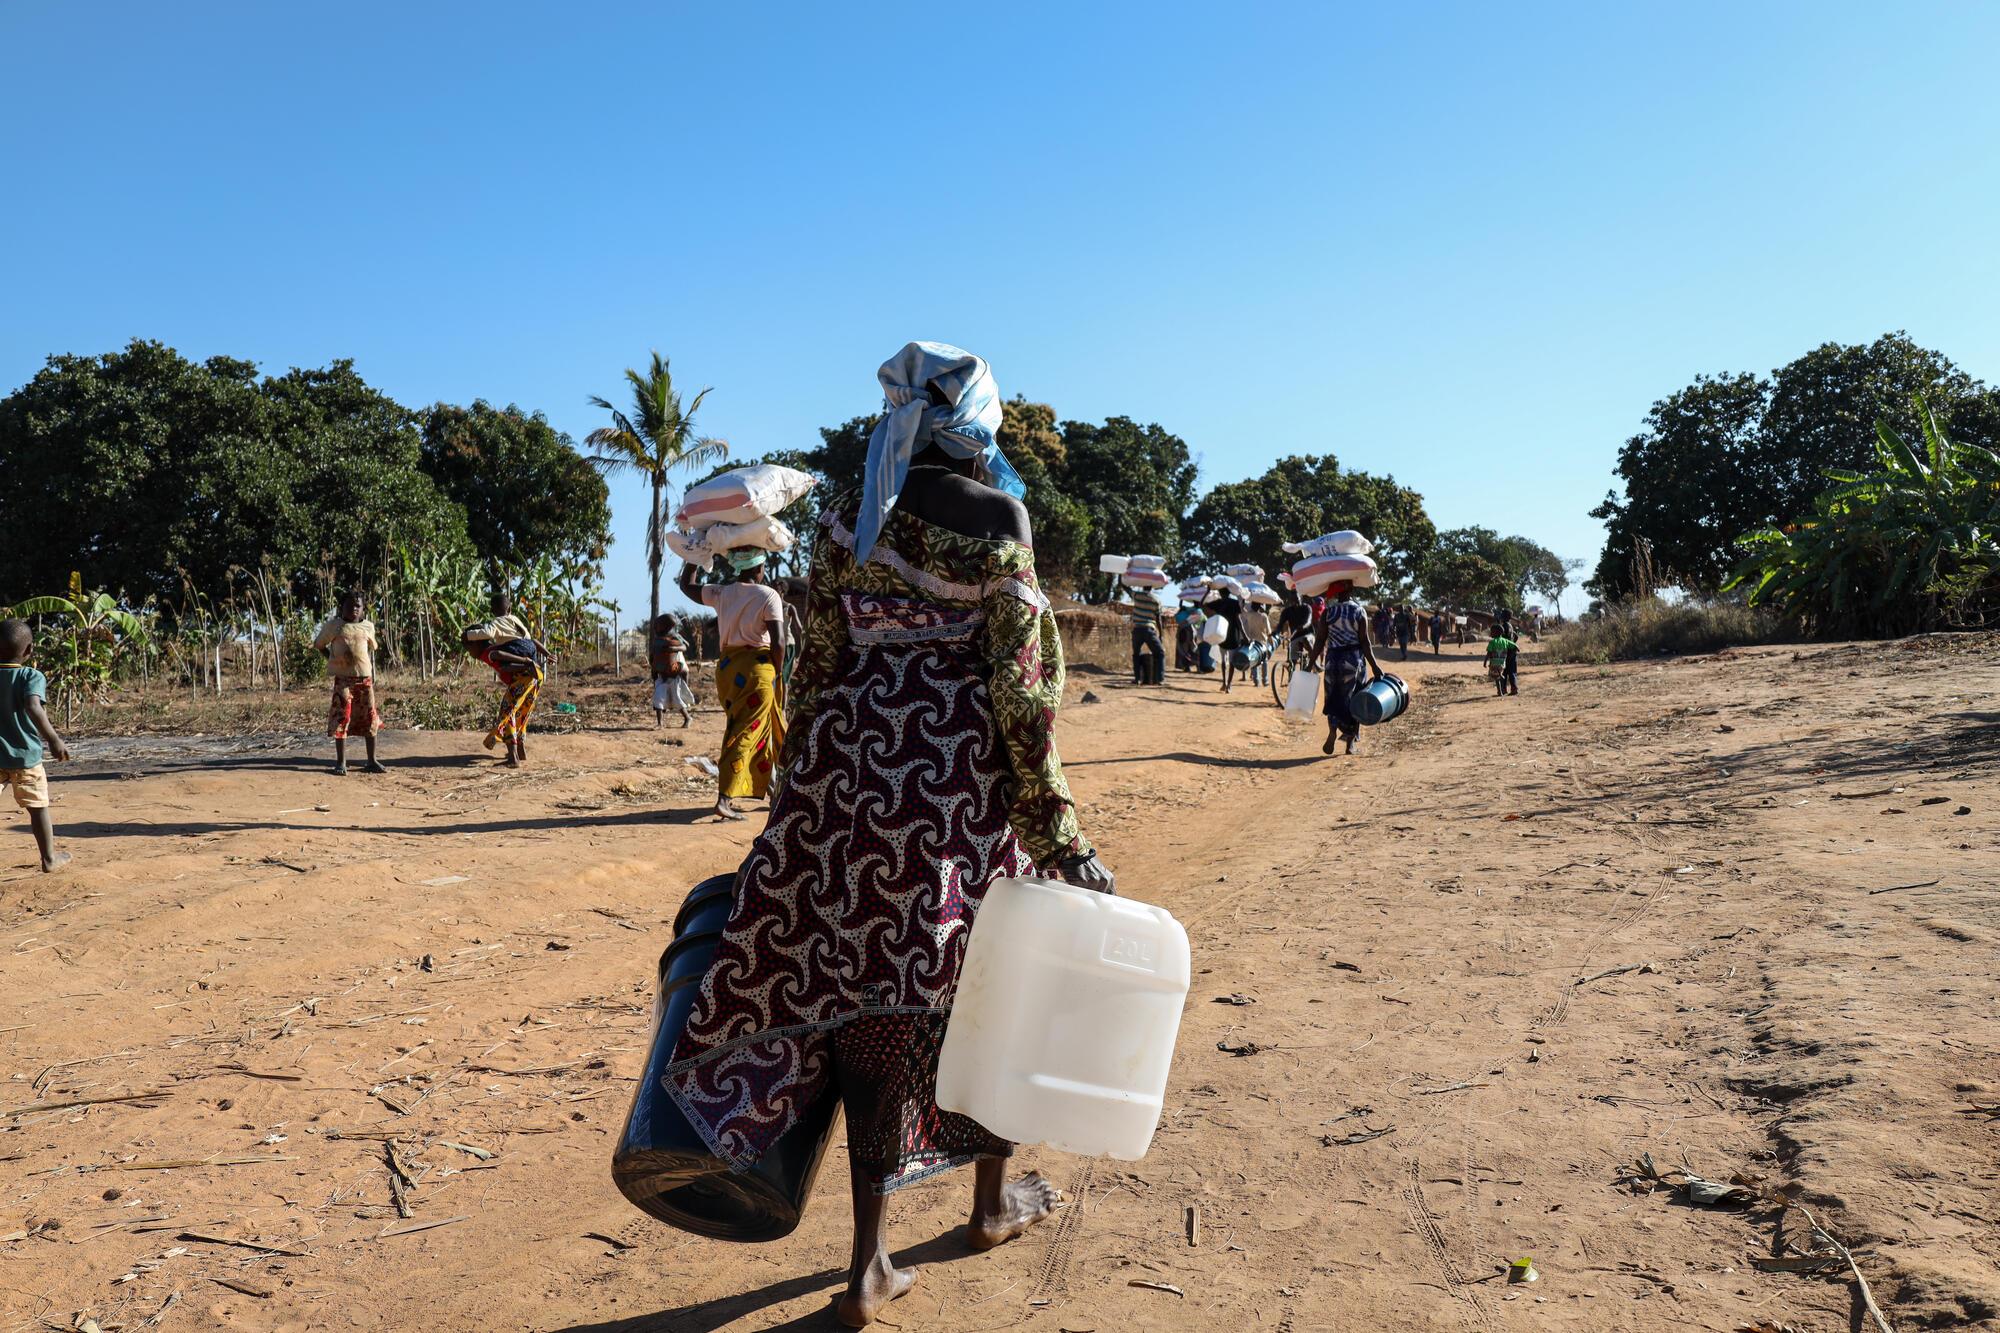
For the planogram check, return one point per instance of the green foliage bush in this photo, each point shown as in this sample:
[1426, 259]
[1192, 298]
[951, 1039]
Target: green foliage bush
[1909, 546]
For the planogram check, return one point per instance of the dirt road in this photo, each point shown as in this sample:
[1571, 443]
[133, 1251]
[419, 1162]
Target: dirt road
[1738, 914]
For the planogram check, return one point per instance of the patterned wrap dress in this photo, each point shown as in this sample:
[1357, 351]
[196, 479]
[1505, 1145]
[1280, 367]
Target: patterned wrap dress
[920, 767]
[1346, 668]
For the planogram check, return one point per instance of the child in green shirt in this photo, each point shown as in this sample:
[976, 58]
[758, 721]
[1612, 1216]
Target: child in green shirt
[1497, 649]
[25, 734]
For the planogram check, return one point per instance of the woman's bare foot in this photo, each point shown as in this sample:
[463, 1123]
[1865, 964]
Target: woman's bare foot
[55, 862]
[724, 809]
[878, 1284]
[1331, 738]
[999, 1215]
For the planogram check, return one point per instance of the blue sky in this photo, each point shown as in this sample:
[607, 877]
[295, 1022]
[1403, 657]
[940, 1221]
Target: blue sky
[1466, 244]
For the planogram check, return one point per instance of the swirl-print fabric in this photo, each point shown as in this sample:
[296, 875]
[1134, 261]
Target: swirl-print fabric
[853, 909]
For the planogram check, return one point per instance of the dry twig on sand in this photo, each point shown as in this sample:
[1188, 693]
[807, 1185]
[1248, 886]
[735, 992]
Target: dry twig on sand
[1615, 972]
[1898, 888]
[33, 1107]
[210, 1238]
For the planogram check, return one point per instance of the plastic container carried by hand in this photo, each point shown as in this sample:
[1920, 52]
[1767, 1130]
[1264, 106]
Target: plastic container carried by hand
[661, 1164]
[1302, 697]
[1381, 700]
[1062, 1031]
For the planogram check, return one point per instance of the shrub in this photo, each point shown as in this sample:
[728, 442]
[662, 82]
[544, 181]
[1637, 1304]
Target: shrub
[1654, 628]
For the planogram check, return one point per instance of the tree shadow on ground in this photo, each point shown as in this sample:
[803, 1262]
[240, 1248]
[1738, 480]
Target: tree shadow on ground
[193, 828]
[316, 761]
[1205, 760]
[711, 1316]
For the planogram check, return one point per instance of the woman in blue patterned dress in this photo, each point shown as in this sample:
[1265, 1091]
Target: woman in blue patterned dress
[1340, 640]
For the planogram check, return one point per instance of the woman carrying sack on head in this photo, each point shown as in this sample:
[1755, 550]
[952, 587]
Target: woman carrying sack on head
[750, 623]
[920, 768]
[1340, 640]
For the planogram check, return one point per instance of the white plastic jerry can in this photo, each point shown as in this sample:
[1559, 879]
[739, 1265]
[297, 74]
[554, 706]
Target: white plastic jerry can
[1063, 1028]
[1302, 699]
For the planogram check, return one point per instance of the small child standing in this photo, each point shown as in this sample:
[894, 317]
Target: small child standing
[667, 652]
[348, 641]
[25, 734]
[1499, 649]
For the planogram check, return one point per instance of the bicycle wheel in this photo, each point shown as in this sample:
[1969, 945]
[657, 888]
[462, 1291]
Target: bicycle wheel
[1281, 678]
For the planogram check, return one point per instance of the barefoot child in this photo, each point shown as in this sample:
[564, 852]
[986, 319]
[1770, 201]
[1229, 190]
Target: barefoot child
[667, 651]
[348, 642]
[25, 733]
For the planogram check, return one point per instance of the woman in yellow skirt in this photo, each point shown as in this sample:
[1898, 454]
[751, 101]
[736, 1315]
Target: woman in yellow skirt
[750, 618]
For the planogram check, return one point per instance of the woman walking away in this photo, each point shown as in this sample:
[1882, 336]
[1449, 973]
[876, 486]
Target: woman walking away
[666, 653]
[750, 622]
[921, 767]
[1341, 641]
[1406, 628]
[1437, 633]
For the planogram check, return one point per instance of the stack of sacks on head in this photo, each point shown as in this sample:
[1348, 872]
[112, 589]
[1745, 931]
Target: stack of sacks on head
[1194, 590]
[1145, 571]
[1259, 593]
[1246, 574]
[1223, 583]
[1338, 557]
[737, 511]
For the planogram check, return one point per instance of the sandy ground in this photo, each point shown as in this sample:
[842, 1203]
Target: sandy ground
[1800, 846]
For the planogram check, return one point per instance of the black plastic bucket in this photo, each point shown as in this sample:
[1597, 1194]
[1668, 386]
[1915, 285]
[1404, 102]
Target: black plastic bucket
[662, 1165]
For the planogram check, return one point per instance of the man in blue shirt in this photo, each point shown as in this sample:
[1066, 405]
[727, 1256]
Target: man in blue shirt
[24, 732]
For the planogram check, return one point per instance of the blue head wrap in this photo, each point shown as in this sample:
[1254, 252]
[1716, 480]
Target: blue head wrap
[746, 558]
[964, 426]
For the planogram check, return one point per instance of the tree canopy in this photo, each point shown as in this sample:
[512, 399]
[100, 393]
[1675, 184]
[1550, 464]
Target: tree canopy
[1306, 496]
[1464, 578]
[1731, 453]
[1527, 568]
[139, 467]
[525, 490]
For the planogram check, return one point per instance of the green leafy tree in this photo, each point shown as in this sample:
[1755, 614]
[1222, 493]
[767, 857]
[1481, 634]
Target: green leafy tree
[1306, 496]
[1530, 568]
[842, 455]
[525, 490]
[655, 439]
[1463, 579]
[155, 474]
[1731, 453]
[1913, 543]
[1029, 438]
[1135, 482]
[1682, 479]
[359, 490]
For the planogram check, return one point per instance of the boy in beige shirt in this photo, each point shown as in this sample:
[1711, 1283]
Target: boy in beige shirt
[348, 640]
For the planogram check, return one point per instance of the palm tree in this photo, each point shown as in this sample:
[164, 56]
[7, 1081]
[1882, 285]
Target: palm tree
[655, 439]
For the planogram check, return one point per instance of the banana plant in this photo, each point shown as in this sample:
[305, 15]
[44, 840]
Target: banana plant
[1913, 544]
[85, 640]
